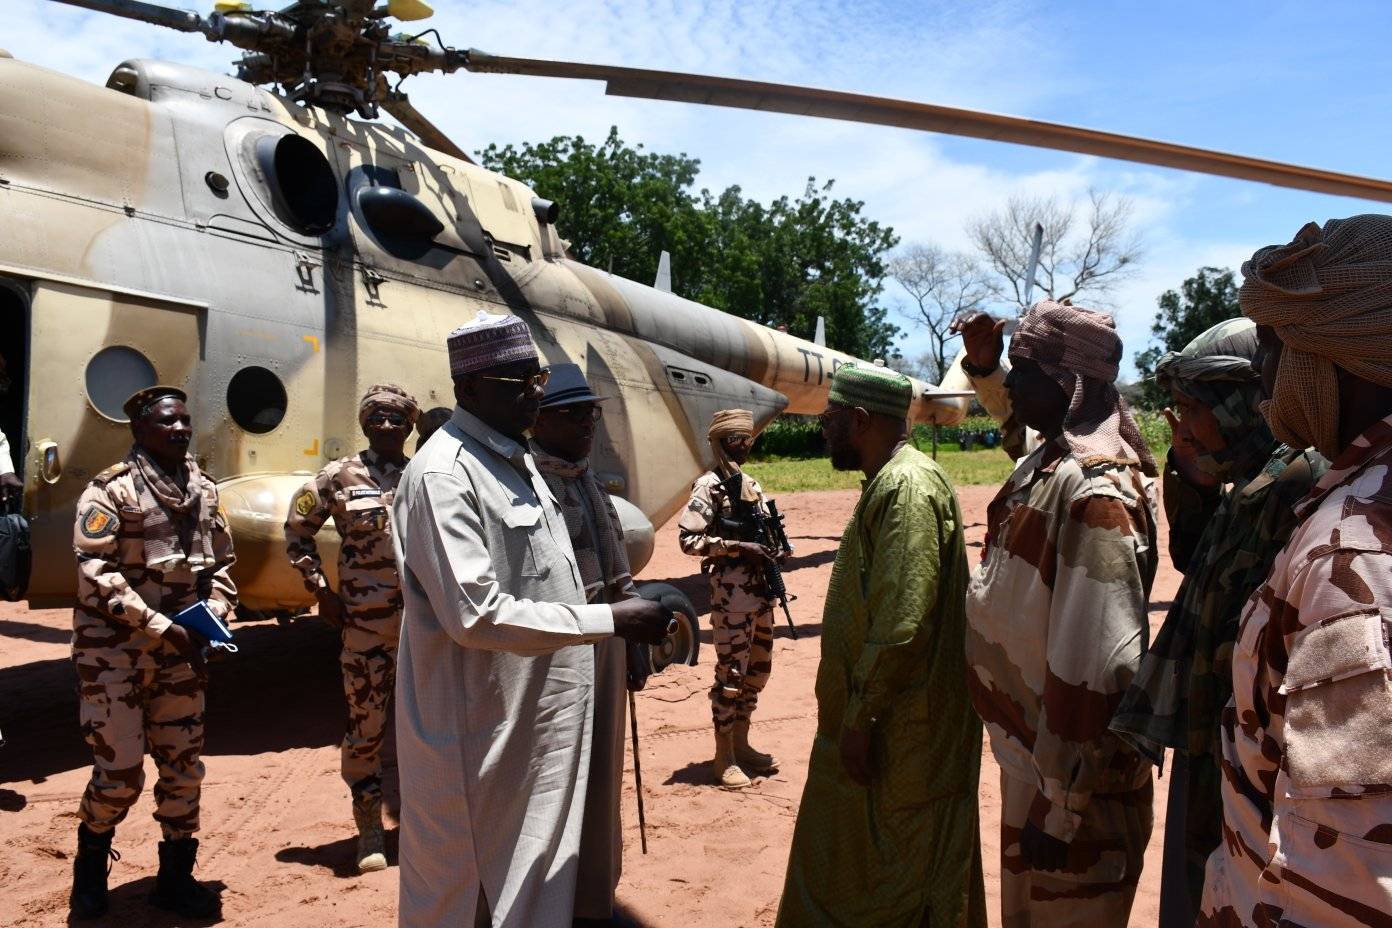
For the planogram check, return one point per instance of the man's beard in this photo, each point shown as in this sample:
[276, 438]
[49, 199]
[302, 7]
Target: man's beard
[845, 459]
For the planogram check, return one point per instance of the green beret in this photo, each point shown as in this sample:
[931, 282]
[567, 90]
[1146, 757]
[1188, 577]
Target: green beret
[142, 400]
[875, 389]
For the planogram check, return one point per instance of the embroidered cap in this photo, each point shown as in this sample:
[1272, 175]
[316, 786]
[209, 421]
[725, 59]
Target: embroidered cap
[490, 340]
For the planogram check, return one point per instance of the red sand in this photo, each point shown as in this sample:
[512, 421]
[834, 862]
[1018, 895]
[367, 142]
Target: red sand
[277, 832]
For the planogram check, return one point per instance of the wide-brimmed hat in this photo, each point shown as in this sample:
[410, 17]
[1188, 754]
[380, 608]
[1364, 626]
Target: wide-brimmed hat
[567, 386]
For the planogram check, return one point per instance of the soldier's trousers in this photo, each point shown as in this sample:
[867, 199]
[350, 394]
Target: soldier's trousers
[123, 714]
[742, 628]
[1098, 885]
[368, 660]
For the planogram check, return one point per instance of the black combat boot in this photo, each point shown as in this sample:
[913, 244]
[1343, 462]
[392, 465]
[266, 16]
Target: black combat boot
[175, 887]
[90, 869]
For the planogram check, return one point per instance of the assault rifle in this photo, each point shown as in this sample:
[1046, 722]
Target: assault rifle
[750, 524]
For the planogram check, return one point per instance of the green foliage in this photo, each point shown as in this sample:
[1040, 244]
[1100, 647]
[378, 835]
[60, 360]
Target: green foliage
[1201, 302]
[784, 263]
[964, 468]
[1155, 430]
[801, 437]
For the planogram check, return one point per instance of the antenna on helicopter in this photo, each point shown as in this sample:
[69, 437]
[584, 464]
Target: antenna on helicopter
[663, 281]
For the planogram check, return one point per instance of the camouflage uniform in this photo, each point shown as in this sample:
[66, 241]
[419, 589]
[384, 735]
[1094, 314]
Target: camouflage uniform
[1056, 627]
[1307, 734]
[741, 609]
[135, 690]
[357, 491]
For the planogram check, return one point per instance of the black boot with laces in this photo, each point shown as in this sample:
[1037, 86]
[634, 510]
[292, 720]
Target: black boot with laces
[175, 887]
[91, 867]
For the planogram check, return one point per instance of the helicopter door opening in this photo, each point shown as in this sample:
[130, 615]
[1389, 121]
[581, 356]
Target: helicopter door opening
[14, 376]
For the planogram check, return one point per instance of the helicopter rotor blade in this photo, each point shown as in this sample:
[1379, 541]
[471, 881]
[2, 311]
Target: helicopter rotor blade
[401, 108]
[182, 20]
[907, 114]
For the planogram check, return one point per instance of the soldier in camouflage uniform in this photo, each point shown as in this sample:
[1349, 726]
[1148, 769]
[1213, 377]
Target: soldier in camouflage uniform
[1224, 541]
[1307, 735]
[150, 542]
[741, 607]
[1057, 622]
[357, 491]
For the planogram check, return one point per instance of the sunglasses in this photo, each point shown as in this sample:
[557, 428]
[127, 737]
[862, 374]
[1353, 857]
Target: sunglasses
[531, 382]
[579, 412]
[396, 420]
[739, 441]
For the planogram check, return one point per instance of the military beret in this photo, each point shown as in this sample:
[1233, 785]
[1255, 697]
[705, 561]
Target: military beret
[142, 400]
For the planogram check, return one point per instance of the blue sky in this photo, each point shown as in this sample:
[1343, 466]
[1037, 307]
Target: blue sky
[1298, 82]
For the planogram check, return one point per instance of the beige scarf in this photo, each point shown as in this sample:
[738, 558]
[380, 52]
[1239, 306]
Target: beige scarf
[177, 526]
[599, 552]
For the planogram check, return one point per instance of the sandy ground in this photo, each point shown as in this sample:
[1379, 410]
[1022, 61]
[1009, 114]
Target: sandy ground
[277, 834]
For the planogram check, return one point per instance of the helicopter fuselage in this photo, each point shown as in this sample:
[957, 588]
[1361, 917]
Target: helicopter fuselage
[179, 226]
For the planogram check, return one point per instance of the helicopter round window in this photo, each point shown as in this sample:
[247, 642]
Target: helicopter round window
[113, 374]
[256, 399]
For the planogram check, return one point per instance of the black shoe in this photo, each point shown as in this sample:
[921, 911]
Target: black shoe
[175, 887]
[90, 869]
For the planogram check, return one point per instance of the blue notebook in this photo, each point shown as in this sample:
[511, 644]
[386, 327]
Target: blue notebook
[201, 619]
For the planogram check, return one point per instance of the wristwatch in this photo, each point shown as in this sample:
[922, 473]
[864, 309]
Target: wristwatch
[974, 371]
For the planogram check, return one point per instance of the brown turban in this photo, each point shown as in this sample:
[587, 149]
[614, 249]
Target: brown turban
[1081, 351]
[1328, 295]
[388, 397]
[730, 422]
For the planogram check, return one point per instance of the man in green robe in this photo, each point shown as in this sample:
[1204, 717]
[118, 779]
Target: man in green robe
[887, 832]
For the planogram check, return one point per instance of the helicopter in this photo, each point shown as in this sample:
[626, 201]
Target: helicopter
[263, 241]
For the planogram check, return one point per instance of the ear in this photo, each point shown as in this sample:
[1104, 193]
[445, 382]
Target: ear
[861, 420]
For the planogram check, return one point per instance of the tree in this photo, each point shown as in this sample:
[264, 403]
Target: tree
[943, 286]
[1087, 249]
[1201, 302]
[784, 263]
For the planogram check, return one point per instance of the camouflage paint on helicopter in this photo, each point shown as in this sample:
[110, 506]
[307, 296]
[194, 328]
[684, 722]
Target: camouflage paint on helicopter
[274, 260]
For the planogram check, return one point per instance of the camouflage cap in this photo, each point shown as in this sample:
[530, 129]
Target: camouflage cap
[1223, 352]
[142, 400]
[875, 389]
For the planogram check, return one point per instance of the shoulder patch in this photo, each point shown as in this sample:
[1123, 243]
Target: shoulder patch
[698, 505]
[305, 502]
[98, 522]
[115, 470]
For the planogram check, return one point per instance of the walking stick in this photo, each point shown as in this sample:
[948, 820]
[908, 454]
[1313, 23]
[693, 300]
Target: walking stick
[637, 772]
[640, 667]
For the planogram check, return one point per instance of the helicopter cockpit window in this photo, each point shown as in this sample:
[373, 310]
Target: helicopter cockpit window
[113, 374]
[302, 182]
[256, 399]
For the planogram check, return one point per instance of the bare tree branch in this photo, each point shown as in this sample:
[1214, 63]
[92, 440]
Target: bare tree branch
[1072, 262]
[942, 285]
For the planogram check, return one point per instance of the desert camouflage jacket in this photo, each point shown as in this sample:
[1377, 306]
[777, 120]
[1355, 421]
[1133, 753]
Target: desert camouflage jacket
[698, 529]
[123, 607]
[357, 492]
[1056, 617]
[1307, 736]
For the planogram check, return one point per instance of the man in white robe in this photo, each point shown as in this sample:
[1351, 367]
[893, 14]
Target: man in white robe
[493, 702]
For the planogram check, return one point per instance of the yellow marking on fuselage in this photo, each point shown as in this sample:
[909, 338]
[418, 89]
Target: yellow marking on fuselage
[313, 450]
[313, 342]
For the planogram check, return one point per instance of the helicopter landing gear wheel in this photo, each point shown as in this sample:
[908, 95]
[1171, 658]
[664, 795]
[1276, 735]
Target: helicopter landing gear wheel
[684, 645]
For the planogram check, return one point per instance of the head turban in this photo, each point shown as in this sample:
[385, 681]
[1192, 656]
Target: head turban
[874, 389]
[490, 340]
[730, 422]
[1081, 351]
[1328, 295]
[389, 397]
[1216, 369]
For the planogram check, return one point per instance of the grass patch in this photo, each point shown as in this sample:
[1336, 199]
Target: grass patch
[793, 475]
